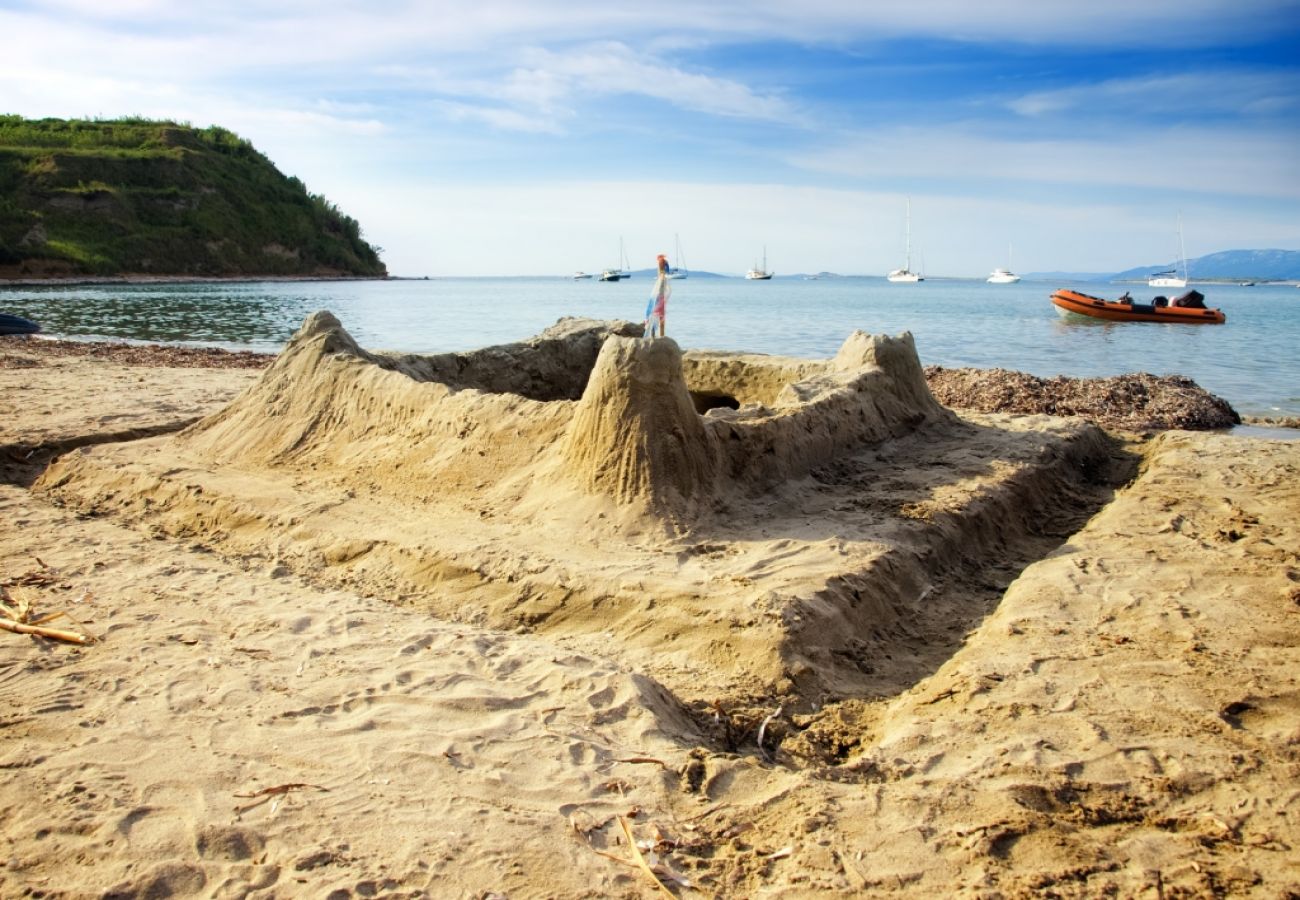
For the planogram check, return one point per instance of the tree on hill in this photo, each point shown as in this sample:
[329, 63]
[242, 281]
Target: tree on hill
[134, 196]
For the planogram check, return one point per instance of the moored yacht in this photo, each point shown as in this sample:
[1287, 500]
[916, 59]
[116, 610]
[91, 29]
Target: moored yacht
[1170, 277]
[1004, 276]
[905, 275]
[679, 270]
[760, 274]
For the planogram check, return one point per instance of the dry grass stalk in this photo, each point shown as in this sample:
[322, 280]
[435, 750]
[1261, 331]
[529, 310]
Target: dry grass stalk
[16, 617]
[640, 859]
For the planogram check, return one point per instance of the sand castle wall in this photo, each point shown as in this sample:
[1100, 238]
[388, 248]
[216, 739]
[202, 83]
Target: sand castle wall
[388, 422]
[619, 413]
[871, 391]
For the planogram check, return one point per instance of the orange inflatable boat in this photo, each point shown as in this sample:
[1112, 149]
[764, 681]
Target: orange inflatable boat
[1189, 308]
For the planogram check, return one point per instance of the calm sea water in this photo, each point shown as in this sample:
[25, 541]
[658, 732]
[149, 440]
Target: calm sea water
[1252, 361]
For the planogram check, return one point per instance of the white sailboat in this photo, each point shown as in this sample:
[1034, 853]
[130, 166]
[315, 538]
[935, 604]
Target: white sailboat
[679, 270]
[905, 275]
[1004, 276]
[1170, 277]
[760, 274]
[616, 273]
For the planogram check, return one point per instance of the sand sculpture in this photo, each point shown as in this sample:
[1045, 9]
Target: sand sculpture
[733, 524]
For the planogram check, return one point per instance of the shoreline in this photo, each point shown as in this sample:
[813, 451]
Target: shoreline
[1174, 402]
[90, 280]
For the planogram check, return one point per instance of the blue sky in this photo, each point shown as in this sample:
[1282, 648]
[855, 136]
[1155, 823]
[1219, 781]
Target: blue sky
[512, 137]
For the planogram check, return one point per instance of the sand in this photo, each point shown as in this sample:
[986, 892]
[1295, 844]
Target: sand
[954, 654]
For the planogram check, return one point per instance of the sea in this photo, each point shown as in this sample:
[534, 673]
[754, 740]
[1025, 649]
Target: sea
[1252, 361]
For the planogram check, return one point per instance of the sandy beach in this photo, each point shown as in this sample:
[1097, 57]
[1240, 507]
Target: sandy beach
[357, 633]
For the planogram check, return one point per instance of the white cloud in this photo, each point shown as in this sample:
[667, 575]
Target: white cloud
[1248, 162]
[1200, 93]
[614, 68]
[503, 119]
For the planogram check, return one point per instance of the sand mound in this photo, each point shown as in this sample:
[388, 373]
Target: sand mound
[816, 517]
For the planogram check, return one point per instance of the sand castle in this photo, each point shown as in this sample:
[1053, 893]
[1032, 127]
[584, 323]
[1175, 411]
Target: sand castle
[733, 524]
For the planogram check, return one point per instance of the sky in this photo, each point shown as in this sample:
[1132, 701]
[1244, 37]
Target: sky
[533, 137]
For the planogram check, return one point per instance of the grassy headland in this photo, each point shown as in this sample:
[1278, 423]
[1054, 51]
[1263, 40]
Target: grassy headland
[140, 197]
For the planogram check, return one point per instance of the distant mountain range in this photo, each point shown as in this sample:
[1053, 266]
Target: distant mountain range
[1226, 265]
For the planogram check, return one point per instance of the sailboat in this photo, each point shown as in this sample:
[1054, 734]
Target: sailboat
[678, 271]
[1004, 276]
[616, 273]
[905, 275]
[1170, 278]
[757, 274]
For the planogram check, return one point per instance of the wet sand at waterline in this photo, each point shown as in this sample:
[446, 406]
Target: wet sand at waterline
[358, 631]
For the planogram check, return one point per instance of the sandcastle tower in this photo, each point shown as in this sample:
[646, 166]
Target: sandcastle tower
[635, 435]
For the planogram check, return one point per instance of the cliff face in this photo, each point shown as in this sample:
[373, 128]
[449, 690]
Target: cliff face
[157, 198]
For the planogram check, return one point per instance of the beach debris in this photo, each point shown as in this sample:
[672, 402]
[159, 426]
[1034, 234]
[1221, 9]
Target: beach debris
[44, 576]
[635, 760]
[651, 865]
[762, 730]
[141, 355]
[267, 794]
[1133, 402]
[646, 854]
[779, 854]
[16, 616]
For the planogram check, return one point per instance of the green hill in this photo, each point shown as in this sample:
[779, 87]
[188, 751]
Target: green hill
[138, 197]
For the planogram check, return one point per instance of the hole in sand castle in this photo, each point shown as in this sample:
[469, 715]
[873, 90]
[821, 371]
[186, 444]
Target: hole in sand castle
[707, 400]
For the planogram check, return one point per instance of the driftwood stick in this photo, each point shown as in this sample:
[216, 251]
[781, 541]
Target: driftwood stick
[57, 634]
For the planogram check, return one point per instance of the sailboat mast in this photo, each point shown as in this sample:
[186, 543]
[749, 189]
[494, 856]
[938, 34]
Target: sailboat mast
[907, 265]
[1182, 250]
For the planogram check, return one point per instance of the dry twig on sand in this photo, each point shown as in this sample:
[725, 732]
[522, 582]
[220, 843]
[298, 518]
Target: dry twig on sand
[16, 617]
[266, 794]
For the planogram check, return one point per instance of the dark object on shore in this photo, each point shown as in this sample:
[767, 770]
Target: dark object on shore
[1188, 308]
[10, 324]
[1135, 402]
